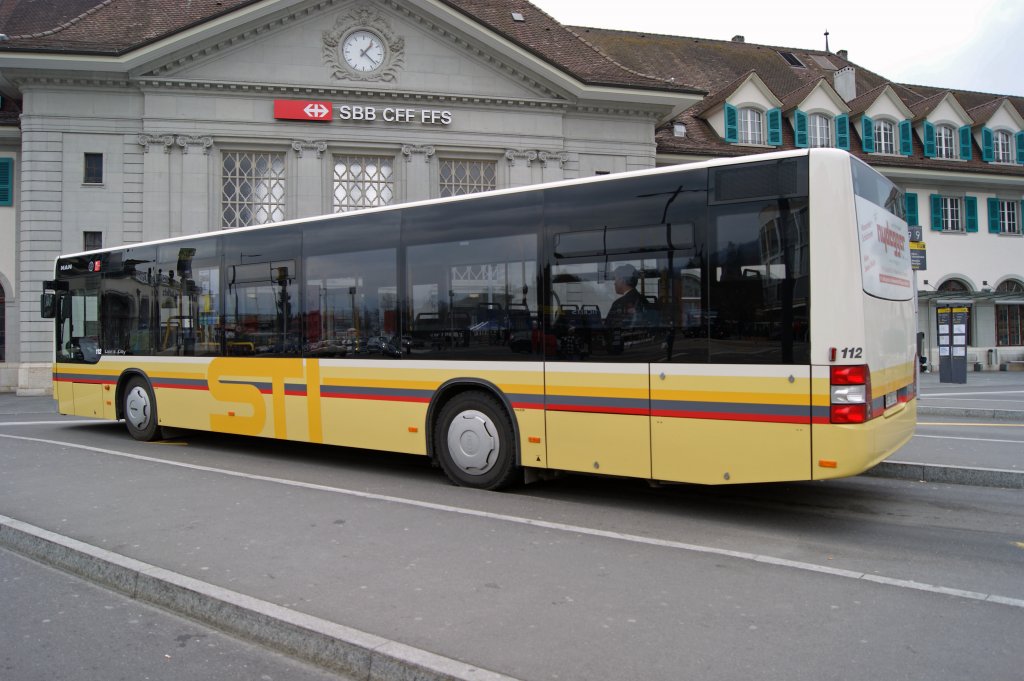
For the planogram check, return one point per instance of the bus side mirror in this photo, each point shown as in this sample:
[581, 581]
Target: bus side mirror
[48, 305]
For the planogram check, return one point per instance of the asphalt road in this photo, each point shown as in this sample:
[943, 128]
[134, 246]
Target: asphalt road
[577, 578]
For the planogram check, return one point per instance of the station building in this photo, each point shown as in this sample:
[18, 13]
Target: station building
[120, 124]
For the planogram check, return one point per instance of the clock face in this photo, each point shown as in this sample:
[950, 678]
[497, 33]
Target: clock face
[363, 51]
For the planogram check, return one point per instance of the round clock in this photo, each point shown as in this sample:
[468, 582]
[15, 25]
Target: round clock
[363, 51]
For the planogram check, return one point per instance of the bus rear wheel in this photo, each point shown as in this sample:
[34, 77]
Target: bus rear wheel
[140, 410]
[474, 442]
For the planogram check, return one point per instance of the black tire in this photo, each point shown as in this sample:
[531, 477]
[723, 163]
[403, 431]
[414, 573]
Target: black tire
[139, 410]
[474, 442]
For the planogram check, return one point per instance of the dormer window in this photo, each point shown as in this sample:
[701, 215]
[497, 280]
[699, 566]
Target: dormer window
[885, 137]
[819, 129]
[751, 126]
[1002, 147]
[945, 146]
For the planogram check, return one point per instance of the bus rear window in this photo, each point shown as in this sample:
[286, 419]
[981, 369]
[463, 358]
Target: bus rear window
[884, 239]
[872, 186]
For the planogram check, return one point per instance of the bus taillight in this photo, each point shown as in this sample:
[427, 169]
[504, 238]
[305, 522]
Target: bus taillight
[851, 394]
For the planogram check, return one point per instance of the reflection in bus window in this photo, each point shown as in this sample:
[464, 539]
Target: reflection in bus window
[351, 305]
[608, 310]
[471, 298]
[760, 282]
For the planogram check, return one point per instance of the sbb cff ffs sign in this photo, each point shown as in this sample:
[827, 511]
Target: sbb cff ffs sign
[302, 110]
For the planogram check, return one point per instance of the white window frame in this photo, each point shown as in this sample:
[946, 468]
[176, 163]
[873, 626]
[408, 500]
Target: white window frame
[946, 143]
[751, 126]
[819, 130]
[952, 214]
[1002, 146]
[885, 136]
[1009, 217]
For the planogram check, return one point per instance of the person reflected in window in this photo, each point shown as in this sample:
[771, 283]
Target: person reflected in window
[630, 303]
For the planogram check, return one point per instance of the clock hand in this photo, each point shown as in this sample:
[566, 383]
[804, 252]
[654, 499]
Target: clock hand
[363, 53]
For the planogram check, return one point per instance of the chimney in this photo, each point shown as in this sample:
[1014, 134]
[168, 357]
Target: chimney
[739, 39]
[845, 80]
[842, 55]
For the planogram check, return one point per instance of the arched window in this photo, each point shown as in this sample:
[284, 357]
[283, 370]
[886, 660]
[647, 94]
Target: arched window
[1009, 316]
[751, 126]
[954, 286]
[1002, 149]
[819, 130]
[885, 137]
[945, 142]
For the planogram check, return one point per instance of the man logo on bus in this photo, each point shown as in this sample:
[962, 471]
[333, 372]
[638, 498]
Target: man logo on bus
[890, 237]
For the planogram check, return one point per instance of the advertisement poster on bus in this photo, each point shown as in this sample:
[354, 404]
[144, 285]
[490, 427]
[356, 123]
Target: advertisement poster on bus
[884, 252]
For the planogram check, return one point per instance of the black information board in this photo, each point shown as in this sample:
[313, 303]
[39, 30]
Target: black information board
[951, 331]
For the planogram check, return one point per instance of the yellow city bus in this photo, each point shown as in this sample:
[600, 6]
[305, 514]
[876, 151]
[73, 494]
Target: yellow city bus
[731, 321]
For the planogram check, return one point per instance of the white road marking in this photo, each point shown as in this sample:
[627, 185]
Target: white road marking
[62, 422]
[990, 392]
[561, 527]
[971, 439]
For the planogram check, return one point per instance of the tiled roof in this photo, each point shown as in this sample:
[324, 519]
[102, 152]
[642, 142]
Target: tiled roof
[922, 108]
[110, 27]
[710, 64]
[114, 27]
[982, 113]
[542, 35]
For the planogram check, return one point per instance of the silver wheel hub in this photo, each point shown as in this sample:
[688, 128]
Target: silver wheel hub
[473, 442]
[137, 409]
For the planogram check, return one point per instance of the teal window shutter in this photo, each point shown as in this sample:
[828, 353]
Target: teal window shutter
[988, 152]
[929, 140]
[910, 203]
[965, 142]
[936, 201]
[800, 126]
[867, 129]
[906, 139]
[732, 124]
[843, 132]
[993, 216]
[1020, 147]
[775, 127]
[6, 181]
[971, 208]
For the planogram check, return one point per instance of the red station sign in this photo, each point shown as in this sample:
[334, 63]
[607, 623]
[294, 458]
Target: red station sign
[302, 110]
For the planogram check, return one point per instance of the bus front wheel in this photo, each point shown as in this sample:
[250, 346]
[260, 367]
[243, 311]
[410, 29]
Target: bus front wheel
[140, 410]
[474, 442]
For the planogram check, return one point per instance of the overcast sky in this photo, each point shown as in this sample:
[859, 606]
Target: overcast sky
[975, 45]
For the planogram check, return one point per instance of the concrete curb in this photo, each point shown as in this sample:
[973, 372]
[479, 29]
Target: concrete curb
[318, 641]
[995, 414]
[954, 475]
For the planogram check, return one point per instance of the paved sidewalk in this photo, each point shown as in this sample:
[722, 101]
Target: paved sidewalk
[987, 394]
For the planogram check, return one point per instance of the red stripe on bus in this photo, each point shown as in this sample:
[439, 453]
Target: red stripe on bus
[179, 386]
[598, 410]
[380, 398]
[724, 416]
[527, 405]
